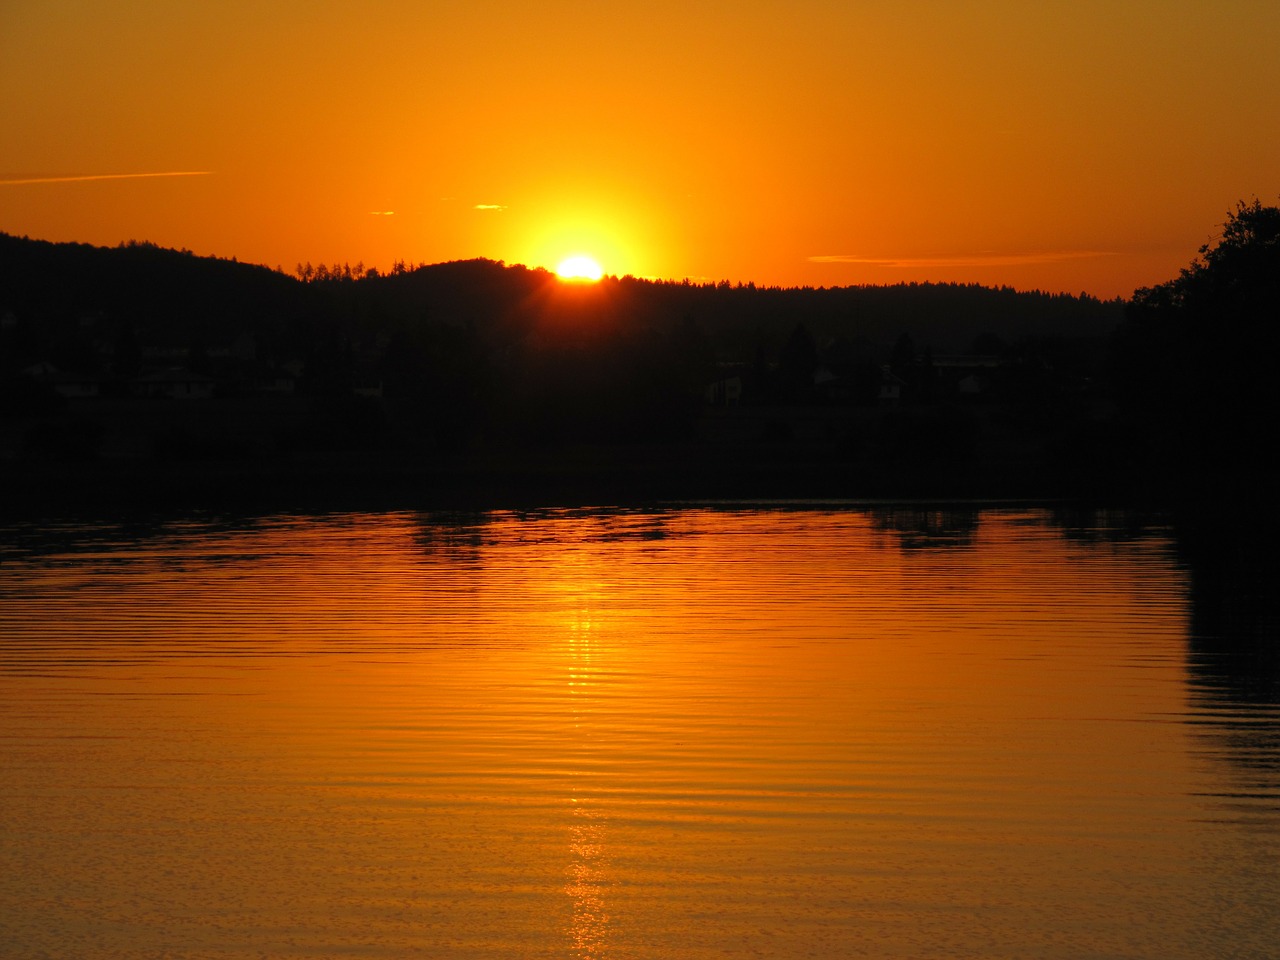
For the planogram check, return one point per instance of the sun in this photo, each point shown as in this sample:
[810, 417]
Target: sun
[579, 267]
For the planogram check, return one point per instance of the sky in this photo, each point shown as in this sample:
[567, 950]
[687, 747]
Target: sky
[1074, 146]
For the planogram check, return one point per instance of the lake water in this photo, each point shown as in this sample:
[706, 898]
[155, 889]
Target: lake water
[840, 731]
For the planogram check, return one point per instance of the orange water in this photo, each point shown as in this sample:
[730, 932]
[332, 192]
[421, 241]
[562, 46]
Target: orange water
[690, 732]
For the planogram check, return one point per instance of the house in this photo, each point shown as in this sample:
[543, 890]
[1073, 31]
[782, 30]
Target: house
[70, 385]
[726, 392]
[890, 392]
[834, 387]
[175, 383]
[974, 385]
[966, 375]
[276, 382]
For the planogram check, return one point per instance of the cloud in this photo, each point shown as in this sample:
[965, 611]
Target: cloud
[489, 206]
[971, 260]
[382, 213]
[106, 176]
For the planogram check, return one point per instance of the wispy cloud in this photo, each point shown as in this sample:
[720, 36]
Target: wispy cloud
[382, 213]
[489, 206]
[969, 260]
[10, 182]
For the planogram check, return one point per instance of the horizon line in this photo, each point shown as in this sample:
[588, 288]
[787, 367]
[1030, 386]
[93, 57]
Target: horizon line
[700, 280]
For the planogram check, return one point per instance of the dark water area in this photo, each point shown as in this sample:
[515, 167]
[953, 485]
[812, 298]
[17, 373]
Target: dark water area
[785, 729]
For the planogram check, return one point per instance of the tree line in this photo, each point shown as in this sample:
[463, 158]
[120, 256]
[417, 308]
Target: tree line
[1174, 383]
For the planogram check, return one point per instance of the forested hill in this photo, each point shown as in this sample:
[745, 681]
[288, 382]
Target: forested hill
[942, 389]
[136, 282]
[177, 295]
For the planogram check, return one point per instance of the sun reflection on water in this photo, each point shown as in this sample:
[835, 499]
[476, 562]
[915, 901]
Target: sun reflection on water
[587, 881]
[587, 871]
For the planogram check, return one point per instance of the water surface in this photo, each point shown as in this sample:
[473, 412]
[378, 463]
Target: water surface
[691, 732]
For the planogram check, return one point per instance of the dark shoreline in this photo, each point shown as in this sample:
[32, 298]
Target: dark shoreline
[569, 476]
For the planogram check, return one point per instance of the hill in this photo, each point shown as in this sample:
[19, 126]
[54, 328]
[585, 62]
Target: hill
[179, 294]
[137, 355]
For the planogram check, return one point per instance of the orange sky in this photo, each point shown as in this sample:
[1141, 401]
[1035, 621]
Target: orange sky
[1065, 146]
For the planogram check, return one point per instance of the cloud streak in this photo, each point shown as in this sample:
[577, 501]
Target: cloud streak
[7, 182]
[489, 206]
[972, 260]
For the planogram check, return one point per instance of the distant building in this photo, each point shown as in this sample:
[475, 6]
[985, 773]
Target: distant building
[890, 392]
[833, 387]
[175, 383]
[724, 393]
[166, 352]
[966, 375]
[70, 385]
[277, 383]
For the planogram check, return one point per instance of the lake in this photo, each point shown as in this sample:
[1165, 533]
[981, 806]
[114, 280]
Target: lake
[701, 730]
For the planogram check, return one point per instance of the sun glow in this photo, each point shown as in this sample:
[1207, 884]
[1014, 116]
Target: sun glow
[579, 267]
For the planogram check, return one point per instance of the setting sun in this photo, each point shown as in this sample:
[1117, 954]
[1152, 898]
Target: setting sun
[977, 159]
[579, 267]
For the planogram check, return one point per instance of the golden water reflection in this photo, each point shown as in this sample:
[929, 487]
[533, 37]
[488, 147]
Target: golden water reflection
[588, 880]
[682, 733]
[588, 863]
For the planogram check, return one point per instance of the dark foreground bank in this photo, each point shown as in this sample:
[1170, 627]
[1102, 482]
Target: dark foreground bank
[578, 475]
[104, 456]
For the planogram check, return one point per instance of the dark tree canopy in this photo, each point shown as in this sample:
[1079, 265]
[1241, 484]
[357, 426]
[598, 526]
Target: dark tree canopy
[1197, 354]
[1238, 273]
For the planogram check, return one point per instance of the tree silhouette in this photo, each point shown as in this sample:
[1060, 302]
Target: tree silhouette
[1197, 354]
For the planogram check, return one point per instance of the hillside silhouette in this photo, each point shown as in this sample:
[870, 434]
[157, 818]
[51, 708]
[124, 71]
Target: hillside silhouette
[180, 293]
[138, 362]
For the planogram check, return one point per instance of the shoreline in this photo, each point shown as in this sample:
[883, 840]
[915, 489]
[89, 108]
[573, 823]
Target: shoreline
[545, 477]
